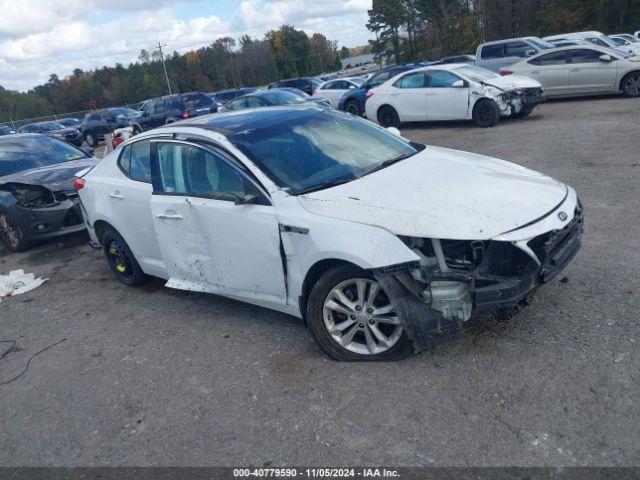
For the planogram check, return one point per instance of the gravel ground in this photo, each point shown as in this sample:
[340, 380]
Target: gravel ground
[153, 376]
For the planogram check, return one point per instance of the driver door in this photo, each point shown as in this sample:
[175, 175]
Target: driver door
[444, 101]
[210, 242]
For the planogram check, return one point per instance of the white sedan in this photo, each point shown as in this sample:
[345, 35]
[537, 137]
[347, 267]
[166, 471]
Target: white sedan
[330, 218]
[582, 70]
[452, 92]
[334, 89]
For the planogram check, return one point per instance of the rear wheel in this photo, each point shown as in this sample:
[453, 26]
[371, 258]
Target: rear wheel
[352, 319]
[486, 113]
[352, 107]
[121, 259]
[630, 85]
[388, 117]
[12, 235]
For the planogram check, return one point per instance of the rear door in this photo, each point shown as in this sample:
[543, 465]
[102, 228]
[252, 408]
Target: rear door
[444, 101]
[589, 74]
[550, 69]
[209, 242]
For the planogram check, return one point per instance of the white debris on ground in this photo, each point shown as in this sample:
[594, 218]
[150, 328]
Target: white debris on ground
[18, 282]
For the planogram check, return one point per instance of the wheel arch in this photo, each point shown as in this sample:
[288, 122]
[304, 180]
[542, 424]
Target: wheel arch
[624, 77]
[313, 275]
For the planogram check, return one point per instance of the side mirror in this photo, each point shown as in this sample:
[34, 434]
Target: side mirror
[394, 131]
[145, 113]
[248, 199]
[459, 84]
[530, 52]
[605, 58]
[352, 87]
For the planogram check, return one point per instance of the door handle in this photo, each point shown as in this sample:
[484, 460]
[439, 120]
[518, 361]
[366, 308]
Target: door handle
[169, 216]
[535, 72]
[117, 195]
[574, 70]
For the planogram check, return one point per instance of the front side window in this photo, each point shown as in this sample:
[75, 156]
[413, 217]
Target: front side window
[312, 148]
[441, 79]
[585, 55]
[135, 161]
[189, 170]
[159, 107]
[411, 80]
[379, 79]
[517, 49]
[238, 104]
[24, 153]
[253, 102]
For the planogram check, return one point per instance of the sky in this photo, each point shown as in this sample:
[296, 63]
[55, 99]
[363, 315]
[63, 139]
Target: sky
[41, 37]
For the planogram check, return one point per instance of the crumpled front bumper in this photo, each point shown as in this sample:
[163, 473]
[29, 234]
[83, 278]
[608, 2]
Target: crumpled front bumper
[41, 223]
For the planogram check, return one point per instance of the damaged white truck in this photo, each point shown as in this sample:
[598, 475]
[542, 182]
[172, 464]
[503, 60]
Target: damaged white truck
[452, 92]
[330, 218]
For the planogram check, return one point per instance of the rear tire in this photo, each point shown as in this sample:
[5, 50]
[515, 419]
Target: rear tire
[121, 260]
[630, 85]
[12, 235]
[388, 117]
[351, 342]
[352, 107]
[486, 113]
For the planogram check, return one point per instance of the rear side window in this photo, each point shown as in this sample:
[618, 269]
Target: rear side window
[556, 58]
[196, 100]
[135, 161]
[492, 51]
[159, 107]
[411, 80]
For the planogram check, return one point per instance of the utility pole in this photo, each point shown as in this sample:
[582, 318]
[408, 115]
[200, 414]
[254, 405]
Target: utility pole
[164, 66]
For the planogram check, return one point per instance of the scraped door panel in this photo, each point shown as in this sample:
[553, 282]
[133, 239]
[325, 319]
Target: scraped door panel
[217, 246]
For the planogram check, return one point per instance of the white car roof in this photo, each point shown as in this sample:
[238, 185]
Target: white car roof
[579, 35]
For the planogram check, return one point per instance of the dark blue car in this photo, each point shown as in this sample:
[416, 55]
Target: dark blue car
[353, 101]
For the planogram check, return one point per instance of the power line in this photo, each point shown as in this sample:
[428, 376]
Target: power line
[164, 66]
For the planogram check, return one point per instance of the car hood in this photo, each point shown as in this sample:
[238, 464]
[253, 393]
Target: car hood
[513, 82]
[54, 177]
[442, 193]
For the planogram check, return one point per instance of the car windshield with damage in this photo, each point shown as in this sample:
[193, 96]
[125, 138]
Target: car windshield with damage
[319, 149]
[19, 153]
[477, 74]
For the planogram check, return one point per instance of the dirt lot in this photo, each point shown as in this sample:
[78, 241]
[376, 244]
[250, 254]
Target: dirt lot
[153, 376]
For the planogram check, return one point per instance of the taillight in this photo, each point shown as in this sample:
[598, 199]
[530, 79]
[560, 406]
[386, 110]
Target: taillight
[78, 183]
[369, 95]
[505, 72]
[185, 115]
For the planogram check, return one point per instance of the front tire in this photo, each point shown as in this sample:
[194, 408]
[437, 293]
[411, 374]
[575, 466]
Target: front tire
[352, 319]
[630, 85]
[388, 117]
[12, 235]
[121, 260]
[486, 113]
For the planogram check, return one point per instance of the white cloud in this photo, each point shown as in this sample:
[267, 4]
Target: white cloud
[63, 35]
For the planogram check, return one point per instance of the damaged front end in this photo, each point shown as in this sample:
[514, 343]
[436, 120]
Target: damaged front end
[514, 101]
[452, 278]
[38, 211]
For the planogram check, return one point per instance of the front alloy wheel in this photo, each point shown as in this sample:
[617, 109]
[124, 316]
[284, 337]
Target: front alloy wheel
[352, 318]
[11, 234]
[631, 85]
[360, 318]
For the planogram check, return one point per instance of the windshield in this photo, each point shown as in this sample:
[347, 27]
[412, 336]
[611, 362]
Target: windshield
[51, 126]
[281, 97]
[318, 148]
[476, 74]
[541, 44]
[22, 152]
